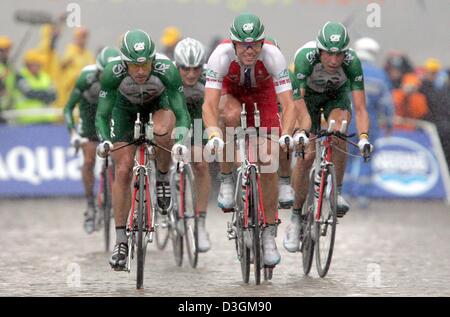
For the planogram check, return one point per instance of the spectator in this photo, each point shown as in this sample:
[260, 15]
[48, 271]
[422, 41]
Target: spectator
[75, 58]
[7, 76]
[396, 66]
[171, 36]
[35, 90]
[443, 125]
[409, 101]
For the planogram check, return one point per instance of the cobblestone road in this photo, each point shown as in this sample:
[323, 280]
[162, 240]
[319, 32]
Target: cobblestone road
[391, 249]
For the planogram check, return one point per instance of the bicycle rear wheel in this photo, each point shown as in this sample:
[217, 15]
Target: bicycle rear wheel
[141, 221]
[187, 199]
[254, 226]
[307, 247]
[325, 227]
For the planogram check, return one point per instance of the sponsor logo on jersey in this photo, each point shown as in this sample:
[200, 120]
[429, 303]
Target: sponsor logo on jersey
[248, 27]
[117, 69]
[103, 94]
[311, 56]
[301, 76]
[283, 73]
[161, 68]
[211, 74]
[139, 46]
[359, 78]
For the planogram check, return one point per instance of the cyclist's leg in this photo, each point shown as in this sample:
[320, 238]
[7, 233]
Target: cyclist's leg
[88, 177]
[340, 110]
[121, 134]
[202, 187]
[164, 124]
[121, 194]
[230, 109]
[300, 181]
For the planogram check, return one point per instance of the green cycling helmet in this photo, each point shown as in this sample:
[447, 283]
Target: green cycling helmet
[137, 47]
[333, 37]
[247, 27]
[106, 55]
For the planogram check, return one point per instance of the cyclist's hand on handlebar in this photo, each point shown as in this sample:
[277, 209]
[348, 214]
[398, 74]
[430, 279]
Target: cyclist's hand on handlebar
[300, 138]
[180, 153]
[365, 147]
[76, 140]
[286, 142]
[104, 148]
[215, 144]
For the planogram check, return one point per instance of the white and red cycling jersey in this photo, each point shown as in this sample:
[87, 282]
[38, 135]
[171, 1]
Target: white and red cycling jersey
[258, 83]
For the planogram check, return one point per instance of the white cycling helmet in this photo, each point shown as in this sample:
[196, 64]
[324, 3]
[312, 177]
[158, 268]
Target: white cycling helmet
[189, 53]
[367, 48]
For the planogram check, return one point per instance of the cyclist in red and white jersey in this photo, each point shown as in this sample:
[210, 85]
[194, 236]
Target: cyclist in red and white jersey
[246, 69]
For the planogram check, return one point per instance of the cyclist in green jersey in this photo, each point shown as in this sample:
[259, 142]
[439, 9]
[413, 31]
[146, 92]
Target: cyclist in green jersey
[328, 71]
[144, 82]
[85, 94]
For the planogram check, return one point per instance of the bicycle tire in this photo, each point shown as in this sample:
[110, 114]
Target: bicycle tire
[255, 228]
[190, 217]
[327, 225]
[141, 241]
[106, 206]
[175, 233]
[307, 247]
[243, 253]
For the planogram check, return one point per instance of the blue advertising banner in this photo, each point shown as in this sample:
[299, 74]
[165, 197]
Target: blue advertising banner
[37, 160]
[404, 165]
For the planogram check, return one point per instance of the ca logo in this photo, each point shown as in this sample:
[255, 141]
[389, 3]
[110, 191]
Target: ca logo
[247, 27]
[335, 38]
[139, 46]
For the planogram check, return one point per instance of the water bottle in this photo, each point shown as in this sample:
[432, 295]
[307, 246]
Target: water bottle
[137, 127]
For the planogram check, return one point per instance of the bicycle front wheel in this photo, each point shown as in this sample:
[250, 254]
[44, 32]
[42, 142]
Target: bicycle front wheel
[307, 247]
[243, 253]
[106, 203]
[187, 199]
[176, 226]
[253, 207]
[141, 221]
[325, 226]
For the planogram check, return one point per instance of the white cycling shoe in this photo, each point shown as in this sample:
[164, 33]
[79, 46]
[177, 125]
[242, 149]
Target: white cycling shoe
[271, 255]
[204, 244]
[291, 241]
[285, 195]
[226, 193]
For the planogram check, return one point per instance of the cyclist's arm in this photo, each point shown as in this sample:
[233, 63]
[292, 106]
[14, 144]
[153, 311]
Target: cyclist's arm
[74, 99]
[277, 67]
[218, 65]
[353, 70]
[109, 83]
[361, 115]
[170, 77]
[303, 117]
[210, 110]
